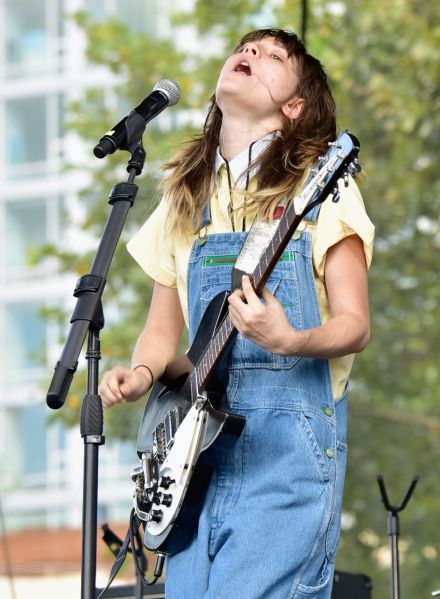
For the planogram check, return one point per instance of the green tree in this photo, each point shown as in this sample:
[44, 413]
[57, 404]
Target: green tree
[383, 62]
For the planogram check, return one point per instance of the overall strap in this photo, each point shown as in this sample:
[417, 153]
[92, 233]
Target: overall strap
[312, 216]
[206, 217]
[204, 222]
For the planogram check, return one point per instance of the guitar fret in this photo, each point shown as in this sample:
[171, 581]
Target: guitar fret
[212, 352]
[324, 174]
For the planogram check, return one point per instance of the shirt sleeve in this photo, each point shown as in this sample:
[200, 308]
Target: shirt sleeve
[339, 220]
[153, 249]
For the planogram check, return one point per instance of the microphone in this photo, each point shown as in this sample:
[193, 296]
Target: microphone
[165, 93]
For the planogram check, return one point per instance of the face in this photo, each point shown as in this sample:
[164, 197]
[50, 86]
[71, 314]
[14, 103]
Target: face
[260, 80]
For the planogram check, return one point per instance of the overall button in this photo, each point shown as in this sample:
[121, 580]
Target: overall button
[328, 411]
[330, 453]
[296, 235]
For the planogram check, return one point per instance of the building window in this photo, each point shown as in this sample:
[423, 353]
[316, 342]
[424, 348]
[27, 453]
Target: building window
[25, 337]
[138, 15]
[34, 33]
[23, 425]
[26, 33]
[26, 130]
[33, 424]
[25, 228]
[33, 135]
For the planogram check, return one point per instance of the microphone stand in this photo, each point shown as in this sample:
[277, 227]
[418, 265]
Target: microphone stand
[88, 318]
[394, 530]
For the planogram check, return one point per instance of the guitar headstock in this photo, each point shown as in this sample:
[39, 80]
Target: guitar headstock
[340, 161]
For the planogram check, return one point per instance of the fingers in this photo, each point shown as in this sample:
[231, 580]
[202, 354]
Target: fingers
[248, 291]
[247, 296]
[245, 307]
[268, 297]
[122, 384]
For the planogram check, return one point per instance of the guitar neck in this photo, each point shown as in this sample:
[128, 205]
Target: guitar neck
[210, 358]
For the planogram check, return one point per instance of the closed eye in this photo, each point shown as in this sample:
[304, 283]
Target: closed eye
[277, 57]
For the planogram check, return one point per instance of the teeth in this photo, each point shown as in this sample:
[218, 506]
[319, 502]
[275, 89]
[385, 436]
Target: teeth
[243, 63]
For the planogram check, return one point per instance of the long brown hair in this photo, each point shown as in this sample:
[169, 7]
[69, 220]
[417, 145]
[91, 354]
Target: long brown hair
[282, 164]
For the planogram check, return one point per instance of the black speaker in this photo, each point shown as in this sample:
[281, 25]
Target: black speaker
[351, 586]
[345, 586]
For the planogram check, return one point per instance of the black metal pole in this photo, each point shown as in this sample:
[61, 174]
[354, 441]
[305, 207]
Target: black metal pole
[91, 431]
[394, 530]
[304, 15]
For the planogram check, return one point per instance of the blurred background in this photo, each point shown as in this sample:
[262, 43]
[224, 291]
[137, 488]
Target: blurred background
[69, 69]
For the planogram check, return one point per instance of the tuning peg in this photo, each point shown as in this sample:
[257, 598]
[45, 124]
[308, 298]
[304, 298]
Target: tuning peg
[336, 194]
[322, 159]
[334, 144]
[354, 168]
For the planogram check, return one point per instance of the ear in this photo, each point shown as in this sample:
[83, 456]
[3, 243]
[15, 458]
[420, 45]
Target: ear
[293, 108]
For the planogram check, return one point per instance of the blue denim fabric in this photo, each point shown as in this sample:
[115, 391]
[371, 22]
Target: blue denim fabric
[270, 523]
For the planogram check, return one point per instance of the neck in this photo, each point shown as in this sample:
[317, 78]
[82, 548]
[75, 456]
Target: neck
[236, 135]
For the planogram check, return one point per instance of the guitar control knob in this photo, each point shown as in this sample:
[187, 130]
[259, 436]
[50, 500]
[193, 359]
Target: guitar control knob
[156, 515]
[167, 499]
[166, 481]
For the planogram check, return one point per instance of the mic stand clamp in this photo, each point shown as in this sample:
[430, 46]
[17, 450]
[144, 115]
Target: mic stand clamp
[394, 530]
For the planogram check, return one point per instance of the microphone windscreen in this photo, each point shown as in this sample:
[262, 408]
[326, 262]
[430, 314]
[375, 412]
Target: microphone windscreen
[170, 88]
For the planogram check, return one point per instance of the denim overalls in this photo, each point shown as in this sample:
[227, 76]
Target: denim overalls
[270, 523]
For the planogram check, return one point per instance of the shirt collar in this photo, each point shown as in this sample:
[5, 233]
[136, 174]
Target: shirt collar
[239, 164]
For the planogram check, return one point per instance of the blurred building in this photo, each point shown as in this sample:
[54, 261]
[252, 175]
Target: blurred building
[42, 68]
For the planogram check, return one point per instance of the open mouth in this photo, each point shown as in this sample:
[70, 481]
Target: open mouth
[243, 67]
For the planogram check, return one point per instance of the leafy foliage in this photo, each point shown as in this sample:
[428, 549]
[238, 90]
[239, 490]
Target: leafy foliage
[383, 61]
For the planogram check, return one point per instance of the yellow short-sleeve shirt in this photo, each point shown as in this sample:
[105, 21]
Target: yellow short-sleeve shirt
[164, 257]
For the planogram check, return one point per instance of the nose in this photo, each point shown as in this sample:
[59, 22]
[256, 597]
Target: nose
[251, 48]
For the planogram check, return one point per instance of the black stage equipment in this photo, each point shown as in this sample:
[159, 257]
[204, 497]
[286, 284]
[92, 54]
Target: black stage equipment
[346, 586]
[394, 530]
[351, 586]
